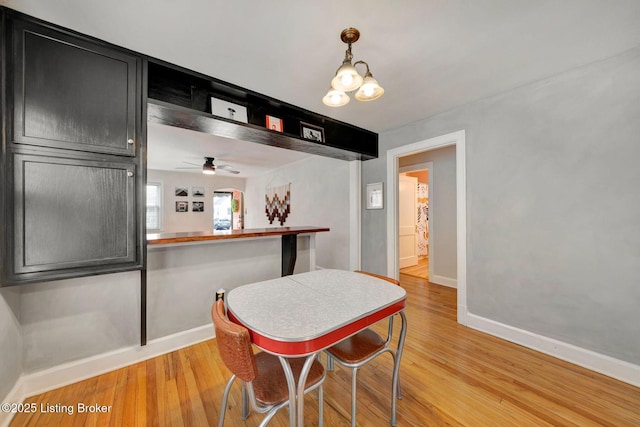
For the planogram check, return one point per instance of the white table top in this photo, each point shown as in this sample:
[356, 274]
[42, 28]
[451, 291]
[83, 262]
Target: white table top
[304, 313]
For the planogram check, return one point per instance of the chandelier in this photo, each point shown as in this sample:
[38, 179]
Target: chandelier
[347, 78]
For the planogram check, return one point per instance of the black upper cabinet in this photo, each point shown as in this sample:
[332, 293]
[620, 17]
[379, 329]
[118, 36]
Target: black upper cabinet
[72, 214]
[73, 158]
[73, 94]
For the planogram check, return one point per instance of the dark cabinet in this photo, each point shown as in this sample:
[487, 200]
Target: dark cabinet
[73, 94]
[72, 213]
[73, 168]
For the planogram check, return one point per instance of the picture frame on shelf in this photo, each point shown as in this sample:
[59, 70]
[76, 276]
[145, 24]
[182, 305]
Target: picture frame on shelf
[229, 110]
[311, 132]
[375, 196]
[274, 123]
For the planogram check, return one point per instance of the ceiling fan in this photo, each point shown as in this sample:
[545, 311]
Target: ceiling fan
[209, 167]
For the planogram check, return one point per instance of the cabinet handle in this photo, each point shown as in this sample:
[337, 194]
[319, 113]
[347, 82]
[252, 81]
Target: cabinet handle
[130, 141]
[129, 173]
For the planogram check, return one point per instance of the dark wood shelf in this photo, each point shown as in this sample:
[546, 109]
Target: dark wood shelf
[174, 115]
[182, 98]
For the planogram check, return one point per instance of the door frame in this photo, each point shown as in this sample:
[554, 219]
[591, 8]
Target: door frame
[393, 156]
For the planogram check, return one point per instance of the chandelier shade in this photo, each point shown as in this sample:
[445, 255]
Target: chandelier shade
[369, 90]
[335, 98]
[347, 78]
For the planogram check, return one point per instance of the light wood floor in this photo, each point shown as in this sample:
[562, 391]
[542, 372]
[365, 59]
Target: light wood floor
[420, 270]
[451, 375]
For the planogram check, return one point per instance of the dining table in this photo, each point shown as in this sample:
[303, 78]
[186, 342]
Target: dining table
[302, 314]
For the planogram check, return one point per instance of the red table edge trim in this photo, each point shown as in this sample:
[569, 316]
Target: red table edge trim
[302, 348]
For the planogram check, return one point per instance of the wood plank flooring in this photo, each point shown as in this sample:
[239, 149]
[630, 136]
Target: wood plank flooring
[451, 375]
[420, 270]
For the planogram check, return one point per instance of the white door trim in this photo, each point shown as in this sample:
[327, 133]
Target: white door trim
[454, 138]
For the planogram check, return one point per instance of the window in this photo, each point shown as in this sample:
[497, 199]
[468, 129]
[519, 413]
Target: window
[154, 206]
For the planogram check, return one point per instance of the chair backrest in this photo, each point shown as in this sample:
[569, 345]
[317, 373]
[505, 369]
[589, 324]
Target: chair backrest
[378, 276]
[234, 344]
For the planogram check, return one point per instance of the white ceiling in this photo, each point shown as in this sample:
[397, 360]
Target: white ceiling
[170, 148]
[429, 55]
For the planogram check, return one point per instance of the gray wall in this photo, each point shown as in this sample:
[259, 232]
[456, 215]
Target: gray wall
[320, 192]
[553, 207]
[71, 319]
[442, 209]
[10, 340]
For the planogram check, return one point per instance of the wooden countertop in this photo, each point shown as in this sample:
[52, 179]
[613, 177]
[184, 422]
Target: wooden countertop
[199, 236]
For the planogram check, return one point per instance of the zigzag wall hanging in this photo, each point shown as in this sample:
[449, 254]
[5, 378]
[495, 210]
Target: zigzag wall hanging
[278, 203]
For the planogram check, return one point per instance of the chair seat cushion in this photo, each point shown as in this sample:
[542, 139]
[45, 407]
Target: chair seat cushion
[358, 347]
[270, 385]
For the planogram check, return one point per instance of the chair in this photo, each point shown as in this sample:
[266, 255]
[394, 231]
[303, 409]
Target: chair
[264, 383]
[361, 348]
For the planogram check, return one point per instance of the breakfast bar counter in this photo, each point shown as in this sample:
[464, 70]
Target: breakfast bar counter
[289, 237]
[201, 236]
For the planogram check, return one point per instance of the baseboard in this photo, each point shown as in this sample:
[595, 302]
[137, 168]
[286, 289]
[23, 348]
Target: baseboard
[606, 365]
[16, 395]
[444, 281]
[69, 373]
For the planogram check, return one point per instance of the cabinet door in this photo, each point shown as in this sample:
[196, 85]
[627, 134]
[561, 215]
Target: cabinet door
[72, 214]
[72, 93]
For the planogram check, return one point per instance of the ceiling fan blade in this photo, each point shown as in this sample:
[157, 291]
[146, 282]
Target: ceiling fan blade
[189, 163]
[188, 167]
[227, 168]
[231, 171]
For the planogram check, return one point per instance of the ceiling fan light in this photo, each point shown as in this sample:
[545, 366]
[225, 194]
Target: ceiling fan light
[347, 78]
[335, 98]
[208, 169]
[370, 89]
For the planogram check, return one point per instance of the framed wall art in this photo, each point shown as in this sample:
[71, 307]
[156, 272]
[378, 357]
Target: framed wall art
[182, 206]
[375, 196]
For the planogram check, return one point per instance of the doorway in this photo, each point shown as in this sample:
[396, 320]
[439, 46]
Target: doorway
[413, 219]
[456, 139]
[228, 209]
[222, 210]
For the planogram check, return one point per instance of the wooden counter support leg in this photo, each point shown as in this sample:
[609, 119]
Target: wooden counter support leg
[289, 253]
